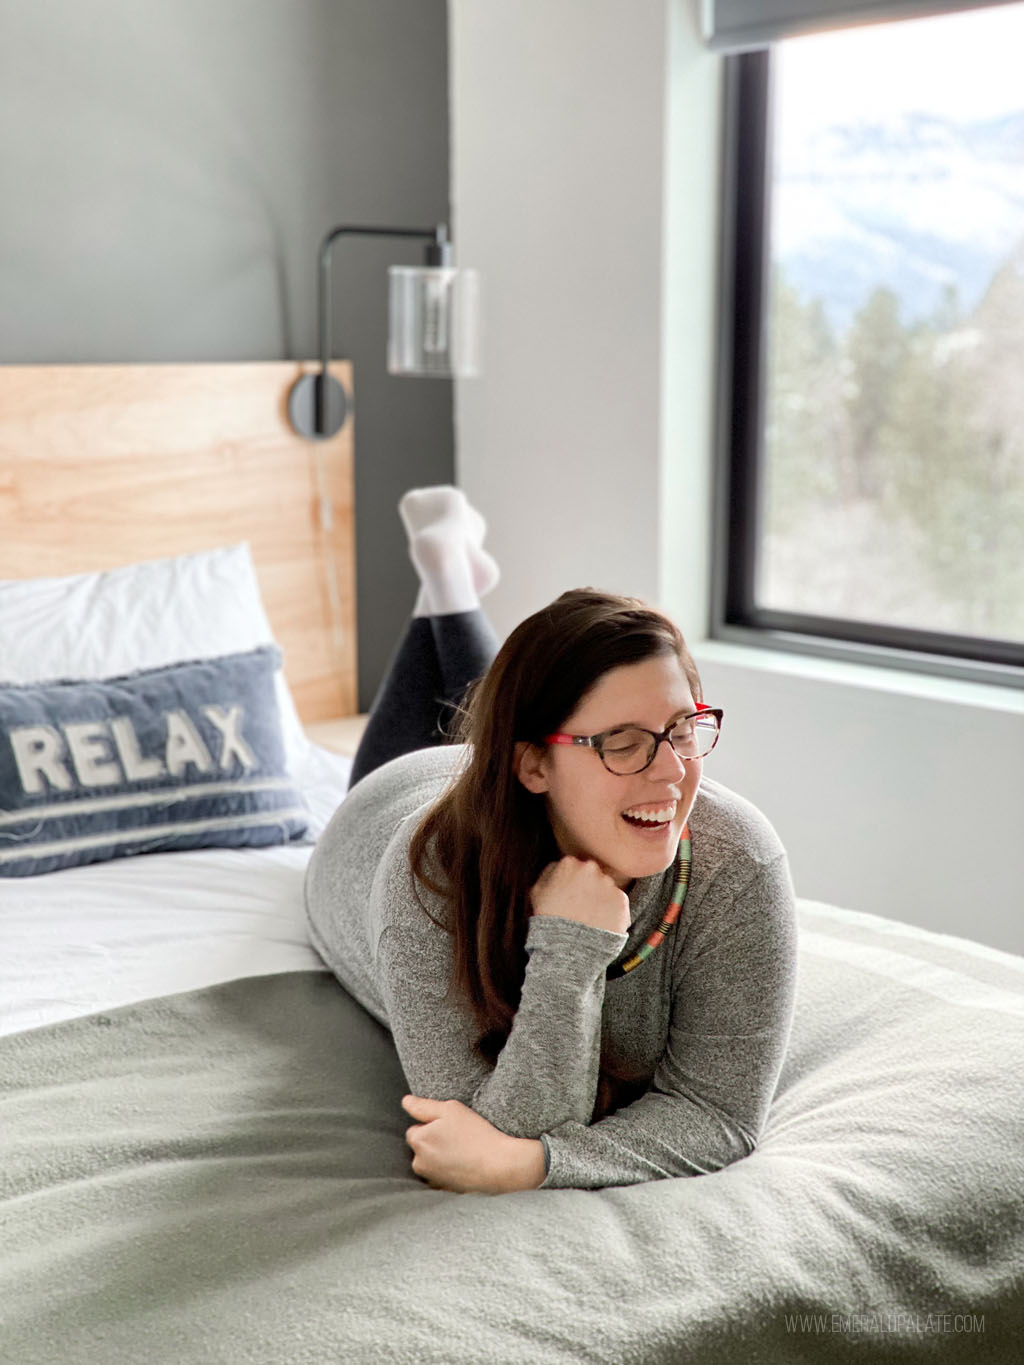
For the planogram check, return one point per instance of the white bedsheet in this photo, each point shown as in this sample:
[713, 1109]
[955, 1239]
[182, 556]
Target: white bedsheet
[92, 938]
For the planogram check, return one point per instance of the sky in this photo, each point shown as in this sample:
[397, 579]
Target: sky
[919, 65]
[878, 195]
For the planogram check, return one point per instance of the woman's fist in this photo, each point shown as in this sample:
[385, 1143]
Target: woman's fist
[576, 888]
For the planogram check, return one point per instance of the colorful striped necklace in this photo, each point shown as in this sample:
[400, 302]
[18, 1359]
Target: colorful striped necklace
[671, 913]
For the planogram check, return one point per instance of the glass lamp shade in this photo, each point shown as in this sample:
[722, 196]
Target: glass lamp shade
[433, 322]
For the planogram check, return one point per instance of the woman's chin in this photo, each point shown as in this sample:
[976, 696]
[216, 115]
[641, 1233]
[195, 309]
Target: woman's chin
[650, 866]
[643, 853]
[654, 849]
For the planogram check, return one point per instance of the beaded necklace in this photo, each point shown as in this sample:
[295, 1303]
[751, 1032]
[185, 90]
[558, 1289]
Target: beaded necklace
[671, 912]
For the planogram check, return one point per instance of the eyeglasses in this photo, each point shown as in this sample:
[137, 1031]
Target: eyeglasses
[628, 749]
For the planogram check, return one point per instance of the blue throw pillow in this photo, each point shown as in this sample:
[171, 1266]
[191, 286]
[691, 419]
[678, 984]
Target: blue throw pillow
[186, 756]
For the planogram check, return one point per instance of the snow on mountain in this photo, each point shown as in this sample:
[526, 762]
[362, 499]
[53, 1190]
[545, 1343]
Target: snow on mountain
[918, 204]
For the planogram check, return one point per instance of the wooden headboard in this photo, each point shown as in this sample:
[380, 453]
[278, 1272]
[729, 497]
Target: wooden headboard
[103, 465]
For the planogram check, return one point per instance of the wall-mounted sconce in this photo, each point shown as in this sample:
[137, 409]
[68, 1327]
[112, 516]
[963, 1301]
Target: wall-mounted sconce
[432, 326]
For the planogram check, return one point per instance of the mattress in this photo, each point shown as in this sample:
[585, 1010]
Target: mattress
[107, 934]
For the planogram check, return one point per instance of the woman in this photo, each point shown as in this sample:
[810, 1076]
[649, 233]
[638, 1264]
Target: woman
[585, 951]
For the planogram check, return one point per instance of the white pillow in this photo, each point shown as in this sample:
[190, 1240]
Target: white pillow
[149, 615]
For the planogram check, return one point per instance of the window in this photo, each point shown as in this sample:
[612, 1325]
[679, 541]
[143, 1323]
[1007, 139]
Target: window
[872, 494]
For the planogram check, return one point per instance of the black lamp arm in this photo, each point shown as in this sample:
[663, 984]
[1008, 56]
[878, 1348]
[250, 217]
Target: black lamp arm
[438, 253]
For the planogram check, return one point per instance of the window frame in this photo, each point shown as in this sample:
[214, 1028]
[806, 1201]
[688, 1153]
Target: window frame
[743, 278]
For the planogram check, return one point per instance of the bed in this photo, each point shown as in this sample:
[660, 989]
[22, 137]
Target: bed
[202, 1152]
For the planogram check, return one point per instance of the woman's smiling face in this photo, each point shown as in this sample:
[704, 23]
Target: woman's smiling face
[586, 802]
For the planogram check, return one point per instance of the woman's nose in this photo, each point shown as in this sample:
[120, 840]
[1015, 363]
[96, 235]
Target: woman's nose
[666, 761]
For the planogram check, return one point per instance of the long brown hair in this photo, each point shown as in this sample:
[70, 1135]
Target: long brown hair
[486, 840]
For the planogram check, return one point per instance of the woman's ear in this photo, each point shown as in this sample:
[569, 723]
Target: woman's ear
[529, 763]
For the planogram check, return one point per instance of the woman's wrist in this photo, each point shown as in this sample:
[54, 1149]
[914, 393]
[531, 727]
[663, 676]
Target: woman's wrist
[526, 1164]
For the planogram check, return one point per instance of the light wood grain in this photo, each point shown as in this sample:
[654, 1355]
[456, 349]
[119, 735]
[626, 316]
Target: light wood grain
[342, 735]
[102, 465]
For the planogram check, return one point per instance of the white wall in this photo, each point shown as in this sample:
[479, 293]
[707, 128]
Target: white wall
[557, 128]
[584, 146]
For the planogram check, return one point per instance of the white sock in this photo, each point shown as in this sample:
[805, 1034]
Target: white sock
[446, 545]
[422, 607]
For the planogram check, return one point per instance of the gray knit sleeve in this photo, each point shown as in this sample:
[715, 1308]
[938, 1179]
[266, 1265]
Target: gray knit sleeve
[731, 1014]
[546, 1074]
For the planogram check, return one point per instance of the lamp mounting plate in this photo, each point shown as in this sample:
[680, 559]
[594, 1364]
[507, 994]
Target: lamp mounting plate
[302, 406]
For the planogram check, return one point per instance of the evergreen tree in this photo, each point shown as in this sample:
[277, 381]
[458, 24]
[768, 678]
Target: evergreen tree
[954, 457]
[877, 353]
[800, 419]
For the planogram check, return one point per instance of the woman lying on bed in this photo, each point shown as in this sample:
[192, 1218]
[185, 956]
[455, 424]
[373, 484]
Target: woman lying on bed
[584, 950]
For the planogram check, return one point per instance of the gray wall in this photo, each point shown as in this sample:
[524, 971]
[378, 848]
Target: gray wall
[167, 170]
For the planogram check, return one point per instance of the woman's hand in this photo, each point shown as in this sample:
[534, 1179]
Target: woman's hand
[574, 888]
[457, 1149]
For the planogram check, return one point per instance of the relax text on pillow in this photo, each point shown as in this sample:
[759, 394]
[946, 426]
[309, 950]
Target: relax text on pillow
[165, 759]
[40, 750]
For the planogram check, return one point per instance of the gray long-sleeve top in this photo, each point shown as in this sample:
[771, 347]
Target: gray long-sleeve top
[699, 1030]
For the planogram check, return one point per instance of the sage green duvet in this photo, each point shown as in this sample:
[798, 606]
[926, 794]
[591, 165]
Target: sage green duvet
[221, 1176]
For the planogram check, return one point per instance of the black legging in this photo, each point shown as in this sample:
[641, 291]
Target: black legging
[436, 660]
